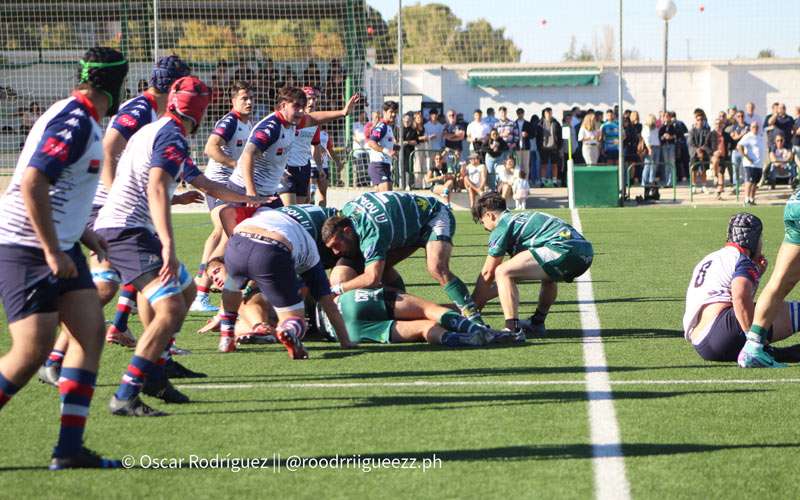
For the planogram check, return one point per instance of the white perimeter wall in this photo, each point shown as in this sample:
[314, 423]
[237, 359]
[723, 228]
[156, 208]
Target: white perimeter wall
[711, 85]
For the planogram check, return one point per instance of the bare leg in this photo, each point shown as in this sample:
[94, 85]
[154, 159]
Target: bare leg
[417, 331]
[520, 267]
[783, 279]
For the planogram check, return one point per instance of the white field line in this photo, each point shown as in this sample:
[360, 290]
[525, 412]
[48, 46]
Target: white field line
[610, 481]
[476, 383]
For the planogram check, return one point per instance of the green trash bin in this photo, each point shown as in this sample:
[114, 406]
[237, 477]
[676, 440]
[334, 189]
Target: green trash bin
[596, 186]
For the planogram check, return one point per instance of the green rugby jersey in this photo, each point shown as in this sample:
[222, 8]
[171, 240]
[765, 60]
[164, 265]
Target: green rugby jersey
[388, 220]
[527, 230]
[311, 217]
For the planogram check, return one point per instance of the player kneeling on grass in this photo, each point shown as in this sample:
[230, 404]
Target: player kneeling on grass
[719, 300]
[386, 316]
[542, 248]
[272, 249]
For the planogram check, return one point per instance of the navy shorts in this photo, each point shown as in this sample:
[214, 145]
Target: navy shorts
[725, 338]
[132, 252]
[315, 172]
[269, 264]
[212, 202]
[295, 180]
[752, 174]
[276, 203]
[379, 173]
[27, 286]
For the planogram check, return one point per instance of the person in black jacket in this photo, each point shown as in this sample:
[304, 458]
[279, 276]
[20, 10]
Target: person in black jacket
[699, 152]
[549, 148]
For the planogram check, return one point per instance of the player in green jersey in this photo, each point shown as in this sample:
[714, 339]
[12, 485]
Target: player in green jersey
[783, 279]
[387, 227]
[385, 316]
[542, 248]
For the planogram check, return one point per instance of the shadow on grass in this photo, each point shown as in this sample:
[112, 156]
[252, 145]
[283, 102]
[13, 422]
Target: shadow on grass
[447, 402]
[574, 451]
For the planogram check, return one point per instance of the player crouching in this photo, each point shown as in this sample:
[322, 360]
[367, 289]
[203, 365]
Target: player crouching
[272, 249]
[719, 300]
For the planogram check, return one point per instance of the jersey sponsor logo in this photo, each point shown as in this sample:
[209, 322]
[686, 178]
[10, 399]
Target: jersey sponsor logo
[423, 204]
[171, 153]
[239, 143]
[127, 121]
[279, 152]
[94, 166]
[56, 148]
[261, 136]
[219, 130]
[372, 209]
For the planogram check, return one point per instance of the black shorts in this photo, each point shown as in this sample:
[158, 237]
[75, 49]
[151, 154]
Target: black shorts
[295, 180]
[549, 156]
[753, 174]
[379, 173]
[27, 286]
[269, 264]
[212, 202]
[133, 251]
[725, 338]
[315, 172]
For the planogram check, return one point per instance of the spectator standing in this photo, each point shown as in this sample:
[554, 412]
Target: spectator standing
[496, 153]
[534, 139]
[668, 137]
[549, 148]
[736, 132]
[434, 130]
[590, 136]
[610, 138]
[490, 119]
[410, 141]
[699, 151]
[523, 132]
[474, 175]
[796, 135]
[453, 134]
[507, 129]
[652, 151]
[719, 141]
[521, 188]
[752, 148]
[360, 153]
[750, 114]
[420, 165]
[681, 149]
[631, 142]
[478, 134]
[783, 124]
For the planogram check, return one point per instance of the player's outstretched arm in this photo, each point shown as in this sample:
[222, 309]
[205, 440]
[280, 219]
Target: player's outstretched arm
[335, 317]
[485, 289]
[219, 191]
[319, 117]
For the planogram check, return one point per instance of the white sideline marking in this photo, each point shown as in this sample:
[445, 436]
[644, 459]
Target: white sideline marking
[609, 464]
[477, 383]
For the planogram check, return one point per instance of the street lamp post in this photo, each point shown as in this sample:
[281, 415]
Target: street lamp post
[666, 10]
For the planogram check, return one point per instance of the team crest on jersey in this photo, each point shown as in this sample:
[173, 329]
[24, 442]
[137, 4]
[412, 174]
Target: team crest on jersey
[94, 166]
[56, 148]
[127, 121]
[423, 204]
[565, 234]
[238, 143]
[279, 152]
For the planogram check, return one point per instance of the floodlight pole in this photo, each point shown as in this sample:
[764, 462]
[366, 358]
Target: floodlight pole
[664, 69]
[399, 140]
[620, 112]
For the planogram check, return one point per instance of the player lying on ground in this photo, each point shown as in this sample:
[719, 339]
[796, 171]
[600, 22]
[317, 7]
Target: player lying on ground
[223, 147]
[771, 302]
[44, 278]
[720, 297]
[542, 248]
[387, 227]
[387, 316]
[137, 223]
[256, 319]
[272, 249]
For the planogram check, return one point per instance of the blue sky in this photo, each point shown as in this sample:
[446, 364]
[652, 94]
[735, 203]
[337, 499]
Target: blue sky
[724, 29]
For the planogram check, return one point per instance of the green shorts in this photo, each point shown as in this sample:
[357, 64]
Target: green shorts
[564, 260]
[368, 314]
[791, 222]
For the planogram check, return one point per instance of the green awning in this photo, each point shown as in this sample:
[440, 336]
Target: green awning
[534, 78]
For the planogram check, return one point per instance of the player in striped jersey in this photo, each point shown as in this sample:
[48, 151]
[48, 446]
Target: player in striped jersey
[382, 229]
[136, 223]
[44, 278]
[223, 147]
[296, 178]
[382, 148]
[261, 166]
[541, 248]
[320, 173]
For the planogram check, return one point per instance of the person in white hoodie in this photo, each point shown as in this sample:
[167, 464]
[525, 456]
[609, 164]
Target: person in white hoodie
[752, 149]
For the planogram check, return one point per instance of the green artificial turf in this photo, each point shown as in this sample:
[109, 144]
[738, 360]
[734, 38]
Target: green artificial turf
[493, 440]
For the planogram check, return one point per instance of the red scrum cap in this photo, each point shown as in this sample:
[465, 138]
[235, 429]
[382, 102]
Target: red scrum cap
[189, 98]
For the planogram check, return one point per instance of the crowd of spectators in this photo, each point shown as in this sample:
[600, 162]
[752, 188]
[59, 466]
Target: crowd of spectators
[710, 153]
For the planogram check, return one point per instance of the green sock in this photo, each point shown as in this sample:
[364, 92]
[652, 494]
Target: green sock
[757, 334]
[458, 323]
[457, 291]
